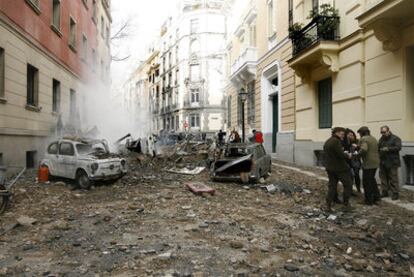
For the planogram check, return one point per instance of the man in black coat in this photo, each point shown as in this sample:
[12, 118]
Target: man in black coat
[389, 148]
[337, 167]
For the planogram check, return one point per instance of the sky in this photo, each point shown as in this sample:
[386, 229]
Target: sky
[146, 16]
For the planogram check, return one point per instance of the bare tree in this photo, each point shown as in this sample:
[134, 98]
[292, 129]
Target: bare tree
[122, 32]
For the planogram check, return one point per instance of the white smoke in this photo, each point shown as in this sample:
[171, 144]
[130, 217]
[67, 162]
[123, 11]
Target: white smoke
[106, 110]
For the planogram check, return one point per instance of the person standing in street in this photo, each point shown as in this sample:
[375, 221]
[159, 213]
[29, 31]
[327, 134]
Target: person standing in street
[337, 167]
[351, 146]
[257, 136]
[370, 162]
[389, 150]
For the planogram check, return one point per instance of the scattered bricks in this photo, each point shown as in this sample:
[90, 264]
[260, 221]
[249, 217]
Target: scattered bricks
[199, 188]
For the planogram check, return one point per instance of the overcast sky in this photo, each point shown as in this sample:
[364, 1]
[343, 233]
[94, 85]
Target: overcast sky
[147, 17]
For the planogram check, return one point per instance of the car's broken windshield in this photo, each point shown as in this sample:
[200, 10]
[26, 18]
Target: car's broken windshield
[85, 149]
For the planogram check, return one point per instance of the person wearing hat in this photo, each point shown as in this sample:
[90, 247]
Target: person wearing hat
[370, 162]
[337, 167]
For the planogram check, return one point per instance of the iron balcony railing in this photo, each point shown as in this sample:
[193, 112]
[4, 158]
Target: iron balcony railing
[319, 29]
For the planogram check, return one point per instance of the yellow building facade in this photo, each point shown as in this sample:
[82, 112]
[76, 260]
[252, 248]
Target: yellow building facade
[258, 51]
[361, 73]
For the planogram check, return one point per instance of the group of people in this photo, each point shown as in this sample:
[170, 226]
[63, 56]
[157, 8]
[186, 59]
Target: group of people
[257, 137]
[345, 155]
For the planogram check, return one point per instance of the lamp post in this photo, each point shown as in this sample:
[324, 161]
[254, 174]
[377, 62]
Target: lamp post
[243, 98]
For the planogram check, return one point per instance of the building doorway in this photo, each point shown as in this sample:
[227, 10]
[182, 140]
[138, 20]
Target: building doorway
[275, 102]
[270, 106]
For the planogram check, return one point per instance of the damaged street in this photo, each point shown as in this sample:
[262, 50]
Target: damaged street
[150, 224]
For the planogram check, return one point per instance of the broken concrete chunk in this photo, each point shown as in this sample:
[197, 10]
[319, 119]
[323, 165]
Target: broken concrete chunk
[26, 221]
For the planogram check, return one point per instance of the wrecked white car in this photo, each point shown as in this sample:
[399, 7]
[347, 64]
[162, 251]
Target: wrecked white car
[85, 161]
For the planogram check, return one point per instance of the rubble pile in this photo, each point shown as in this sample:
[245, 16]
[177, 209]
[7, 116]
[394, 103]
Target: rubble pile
[149, 223]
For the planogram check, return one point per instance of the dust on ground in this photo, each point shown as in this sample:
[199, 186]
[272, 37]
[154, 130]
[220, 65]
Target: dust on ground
[149, 224]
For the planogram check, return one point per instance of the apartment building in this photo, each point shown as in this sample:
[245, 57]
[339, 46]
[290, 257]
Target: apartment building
[49, 51]
[258, 50]
[187, 80]
[354, 61]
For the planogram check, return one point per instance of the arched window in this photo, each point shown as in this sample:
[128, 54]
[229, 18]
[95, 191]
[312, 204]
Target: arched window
[195, 47]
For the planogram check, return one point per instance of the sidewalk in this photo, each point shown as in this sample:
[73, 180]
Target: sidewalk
[406, 205]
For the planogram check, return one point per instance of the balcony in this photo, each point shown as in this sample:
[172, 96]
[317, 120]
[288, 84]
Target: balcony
[386, 18]
[244, 68]
[193, 105]
[316, 43]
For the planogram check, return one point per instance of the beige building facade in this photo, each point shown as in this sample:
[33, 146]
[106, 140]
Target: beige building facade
[47, 58]
[359, 74]
[258, 51]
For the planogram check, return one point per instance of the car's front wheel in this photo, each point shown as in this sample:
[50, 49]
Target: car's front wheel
[82, 180]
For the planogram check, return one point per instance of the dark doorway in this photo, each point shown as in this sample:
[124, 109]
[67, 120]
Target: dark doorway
[30, 159]
[275, 104]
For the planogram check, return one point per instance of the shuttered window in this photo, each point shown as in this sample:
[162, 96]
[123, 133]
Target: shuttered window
[325, 103]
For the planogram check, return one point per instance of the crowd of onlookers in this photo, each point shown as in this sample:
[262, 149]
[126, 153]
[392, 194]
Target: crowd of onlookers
[345, 155]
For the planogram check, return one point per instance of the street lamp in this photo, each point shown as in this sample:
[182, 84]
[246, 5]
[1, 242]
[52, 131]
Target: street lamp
[243, 97]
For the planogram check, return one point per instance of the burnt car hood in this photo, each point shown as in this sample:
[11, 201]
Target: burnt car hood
[107, 157]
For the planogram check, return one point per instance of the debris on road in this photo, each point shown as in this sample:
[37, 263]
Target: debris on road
[200, 188]
[185, 170]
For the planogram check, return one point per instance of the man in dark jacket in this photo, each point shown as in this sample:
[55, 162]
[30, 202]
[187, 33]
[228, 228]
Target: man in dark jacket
[389, 150]
[337, 167]
[370, 162]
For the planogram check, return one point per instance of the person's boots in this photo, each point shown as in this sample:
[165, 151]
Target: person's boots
[328, 207]
[347, 207]
[337, 200]
[384, 194]
[395, 196]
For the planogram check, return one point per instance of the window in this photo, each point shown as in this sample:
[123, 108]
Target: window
[102, 70]
[290, 13]
[315, 6]
[30, 159]
[35, 5]
[53, 148]
[251, 103]
[270, 19]
[195, 72]
[239, 110]
[325, 103]
[229, 111]
[177, 74]
[1, 159]
[94, 11]
[72, 33]
[56, 14]
[94, 60]
[66, 149]
[107, 35]
[194, 120]
[56, 96]
[170, 59]
[195, 47]
[194, 25]
[176, 55]
[32, 85]
[195, 95]
[253, 35]
[2, 77]
[72, 102]
[177, 122]
[102, 27]
[84, 48]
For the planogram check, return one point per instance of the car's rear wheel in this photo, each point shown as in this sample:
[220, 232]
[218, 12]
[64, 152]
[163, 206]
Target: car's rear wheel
[4, 200]
[82, 180]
